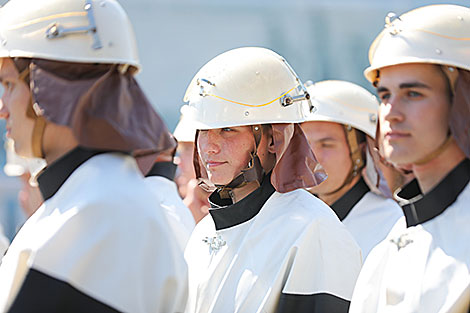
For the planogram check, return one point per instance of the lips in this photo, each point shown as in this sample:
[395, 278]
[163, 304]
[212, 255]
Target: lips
[213, 164]
[396, 135]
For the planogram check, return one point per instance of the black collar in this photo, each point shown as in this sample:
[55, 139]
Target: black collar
[164, 169]
[419, 208]
[344, 205]
[227, 214]
[55, 174]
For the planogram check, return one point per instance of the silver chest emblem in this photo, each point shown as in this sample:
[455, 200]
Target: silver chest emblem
[215, 243]
[401, 242]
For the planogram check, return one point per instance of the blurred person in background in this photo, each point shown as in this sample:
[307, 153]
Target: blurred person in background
[340, 132]
[29, 196]
[4, 243]
[194, 197]
[160, 180]
[99, 242]
[420, 66]
[26, 169]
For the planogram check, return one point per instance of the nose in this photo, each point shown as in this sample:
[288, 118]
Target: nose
[3, 110]
[391, 110]
[209, 142]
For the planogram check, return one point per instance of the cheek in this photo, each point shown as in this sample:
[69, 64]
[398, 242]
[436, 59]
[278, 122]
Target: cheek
[238, 151]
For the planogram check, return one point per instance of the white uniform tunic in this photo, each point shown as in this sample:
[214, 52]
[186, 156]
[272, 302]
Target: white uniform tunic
[424, 267]
[181, 221]
[271, 252]
[368, 216]
[97, 244]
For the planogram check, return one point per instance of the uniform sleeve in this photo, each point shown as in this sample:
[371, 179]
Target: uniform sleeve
[323, 272]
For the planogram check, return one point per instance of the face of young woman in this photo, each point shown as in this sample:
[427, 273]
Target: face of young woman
[226, 151]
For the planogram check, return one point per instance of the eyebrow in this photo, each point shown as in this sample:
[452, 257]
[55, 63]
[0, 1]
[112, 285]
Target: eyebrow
[326, 139]
[406, 85]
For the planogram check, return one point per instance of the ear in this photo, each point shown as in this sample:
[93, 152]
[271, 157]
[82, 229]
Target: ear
[271, 143]
[268, 132]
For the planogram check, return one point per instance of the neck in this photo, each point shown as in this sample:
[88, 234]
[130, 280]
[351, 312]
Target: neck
[431, 173]
[57, 141]
[332, 198]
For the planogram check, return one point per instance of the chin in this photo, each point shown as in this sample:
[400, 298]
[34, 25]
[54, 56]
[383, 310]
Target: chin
[400, 158]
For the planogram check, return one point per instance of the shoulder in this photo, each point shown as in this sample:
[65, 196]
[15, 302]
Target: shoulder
[464, 197]
[301, 205]
[375, 205]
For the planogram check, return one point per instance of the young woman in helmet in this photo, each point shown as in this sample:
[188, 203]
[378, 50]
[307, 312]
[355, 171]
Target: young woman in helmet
[339, 133]
[420, 66]
[267, 244]
[99, 242]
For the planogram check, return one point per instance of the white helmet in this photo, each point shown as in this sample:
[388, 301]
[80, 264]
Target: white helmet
[345, 103]
[84, 31]
[185, 130]
[437, 34]
[247, 86]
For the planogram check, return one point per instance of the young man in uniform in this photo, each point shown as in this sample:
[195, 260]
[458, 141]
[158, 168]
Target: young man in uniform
[339, 133]
[267, 244]
[420, 66]
[99, 242]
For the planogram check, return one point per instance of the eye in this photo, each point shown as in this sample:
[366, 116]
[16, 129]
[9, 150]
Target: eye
[327, 145]
[384, 96]
[413, 94]
[227, 129]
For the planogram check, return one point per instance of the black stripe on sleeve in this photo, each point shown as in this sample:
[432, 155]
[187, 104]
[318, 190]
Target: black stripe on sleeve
[316, 303]
[42, 293]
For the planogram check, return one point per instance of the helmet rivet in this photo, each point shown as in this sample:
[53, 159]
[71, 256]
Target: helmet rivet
[257, 73]
[438, 51]
[247, 113]
[372, 117]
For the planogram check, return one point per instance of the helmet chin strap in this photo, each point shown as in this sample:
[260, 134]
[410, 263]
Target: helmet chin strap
[436, 152]
[39, 121]
[253, 173]
[357, 158]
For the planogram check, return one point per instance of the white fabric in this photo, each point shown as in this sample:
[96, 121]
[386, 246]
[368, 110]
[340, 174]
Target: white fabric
[295, 245]
[179, 216]
[427, 274]
[103, 234]
[371, 219]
